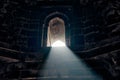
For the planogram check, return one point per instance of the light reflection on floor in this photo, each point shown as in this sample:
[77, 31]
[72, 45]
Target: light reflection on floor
[62, 64]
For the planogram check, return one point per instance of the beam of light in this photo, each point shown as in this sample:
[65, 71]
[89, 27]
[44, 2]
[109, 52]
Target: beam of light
[58, 44]
[62, 63]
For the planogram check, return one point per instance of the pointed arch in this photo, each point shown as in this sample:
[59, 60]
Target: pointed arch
[45, 30]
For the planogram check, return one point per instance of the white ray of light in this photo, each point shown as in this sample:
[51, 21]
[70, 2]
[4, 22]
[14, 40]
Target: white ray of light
[63, 63]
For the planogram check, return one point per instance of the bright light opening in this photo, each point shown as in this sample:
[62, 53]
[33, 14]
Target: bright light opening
[58, 44]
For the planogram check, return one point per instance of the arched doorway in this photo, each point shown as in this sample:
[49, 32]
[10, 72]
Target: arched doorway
[60, 20]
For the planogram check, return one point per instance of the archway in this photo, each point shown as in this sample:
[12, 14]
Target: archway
[63, 20]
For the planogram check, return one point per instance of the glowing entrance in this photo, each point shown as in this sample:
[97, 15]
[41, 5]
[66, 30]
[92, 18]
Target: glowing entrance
[56, 32]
